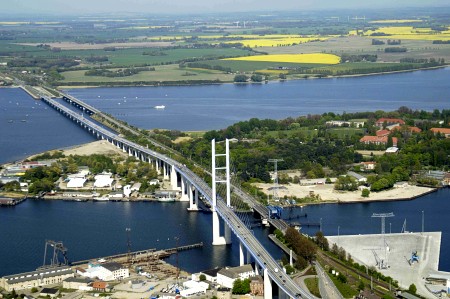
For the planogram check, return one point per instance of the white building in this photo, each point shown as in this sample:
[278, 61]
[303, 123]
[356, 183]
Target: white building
[107, 271]
[75, 183]
[193, 288]
[136, 187]
[227, 276]
[103, 180]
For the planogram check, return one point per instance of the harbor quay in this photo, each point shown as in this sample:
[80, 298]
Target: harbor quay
[408, 257]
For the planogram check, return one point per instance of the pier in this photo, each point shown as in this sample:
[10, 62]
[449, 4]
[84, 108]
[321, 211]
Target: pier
[10, 202]
[141, 255]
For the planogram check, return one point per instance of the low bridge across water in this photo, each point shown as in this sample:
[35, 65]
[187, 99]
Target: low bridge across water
[191, 186]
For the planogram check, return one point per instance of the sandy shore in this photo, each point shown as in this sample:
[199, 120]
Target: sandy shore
[101, 147]
[327, 193]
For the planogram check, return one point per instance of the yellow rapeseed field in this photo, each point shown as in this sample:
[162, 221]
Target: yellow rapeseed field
[316, 58]
[407, 32]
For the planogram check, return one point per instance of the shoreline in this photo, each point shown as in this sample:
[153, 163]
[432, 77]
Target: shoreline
[65, 87]
[326, 192]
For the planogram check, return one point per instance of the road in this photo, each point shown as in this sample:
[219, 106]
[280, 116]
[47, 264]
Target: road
[262, 257]
[327, 288]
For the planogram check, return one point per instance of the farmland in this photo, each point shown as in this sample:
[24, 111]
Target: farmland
[314, 58]
[60, 50]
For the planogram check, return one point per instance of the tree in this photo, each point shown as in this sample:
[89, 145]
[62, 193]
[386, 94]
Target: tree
[241, 287]
[322, 241]
[361, 285]
[412, 289]
[346, 183]
[240, 78]
[256, 78]
[365, 193]
[202, 277]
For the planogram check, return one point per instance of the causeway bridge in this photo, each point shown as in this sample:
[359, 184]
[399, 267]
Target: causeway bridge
[191, 187]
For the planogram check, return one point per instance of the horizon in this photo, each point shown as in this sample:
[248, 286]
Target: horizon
[190, 7]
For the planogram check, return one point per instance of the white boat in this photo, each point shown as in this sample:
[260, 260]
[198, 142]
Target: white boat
[160, 107]
[103, 198]
[166, 199]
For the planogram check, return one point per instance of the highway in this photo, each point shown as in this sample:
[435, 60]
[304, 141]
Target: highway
[262, 257]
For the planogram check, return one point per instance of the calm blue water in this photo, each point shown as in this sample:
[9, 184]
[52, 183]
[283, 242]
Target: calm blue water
[95, 229]
[91, 230]
[28, 127]
[218, 106]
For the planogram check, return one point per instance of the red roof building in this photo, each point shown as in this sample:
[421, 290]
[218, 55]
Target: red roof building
[389, 122]
[444, 131]
[408, 128]
[381, 133]
[378, 140]
[100, 286]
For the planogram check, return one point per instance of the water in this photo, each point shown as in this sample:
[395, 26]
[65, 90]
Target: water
[92, 230]
[29, 127]
[210, 107]
[95, 229]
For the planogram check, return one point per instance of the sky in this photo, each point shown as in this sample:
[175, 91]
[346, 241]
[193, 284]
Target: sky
[68, 7]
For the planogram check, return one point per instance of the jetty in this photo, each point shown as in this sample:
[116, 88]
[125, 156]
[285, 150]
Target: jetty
[10, 202]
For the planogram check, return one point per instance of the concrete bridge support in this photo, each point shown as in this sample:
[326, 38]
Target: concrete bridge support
[267, 285]
[184, 187]
[193, 200]
[241, 254]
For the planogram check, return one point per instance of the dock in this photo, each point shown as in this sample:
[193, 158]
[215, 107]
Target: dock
[141, 255]
[10, 202]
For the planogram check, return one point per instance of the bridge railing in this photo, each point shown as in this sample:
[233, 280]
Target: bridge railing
[260, 254]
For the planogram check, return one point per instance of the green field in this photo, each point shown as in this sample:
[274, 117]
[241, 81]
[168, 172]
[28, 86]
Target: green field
[250, 66]
[135, 56]
[342, 132]
[162, 73]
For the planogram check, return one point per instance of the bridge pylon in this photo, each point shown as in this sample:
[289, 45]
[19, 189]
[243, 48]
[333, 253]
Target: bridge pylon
[217, 239]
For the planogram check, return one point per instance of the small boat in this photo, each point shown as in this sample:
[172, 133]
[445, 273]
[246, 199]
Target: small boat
[104, 198]
[24, 120]
[10, 121]
[166, 199]
[160, 107]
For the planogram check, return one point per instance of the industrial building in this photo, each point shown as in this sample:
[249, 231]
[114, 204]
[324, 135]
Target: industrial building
[227, 276]
[106, 271]
[38, 278]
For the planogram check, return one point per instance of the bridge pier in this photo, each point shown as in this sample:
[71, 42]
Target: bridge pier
[193, 200]
[184, 187]
[241, 254]
[267, 285]
[173, 178]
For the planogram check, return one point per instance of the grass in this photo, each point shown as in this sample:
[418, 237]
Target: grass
[250, 66]
[134, 56]
[313, 286]
[343, 288]
[342, 132]
[366, 67]
[314, 58]
[162, 73]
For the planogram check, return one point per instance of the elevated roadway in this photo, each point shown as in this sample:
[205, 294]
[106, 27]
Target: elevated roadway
[259, 253]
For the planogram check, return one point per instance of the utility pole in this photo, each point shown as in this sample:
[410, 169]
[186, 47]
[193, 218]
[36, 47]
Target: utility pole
[178, 268]
[128, 230]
